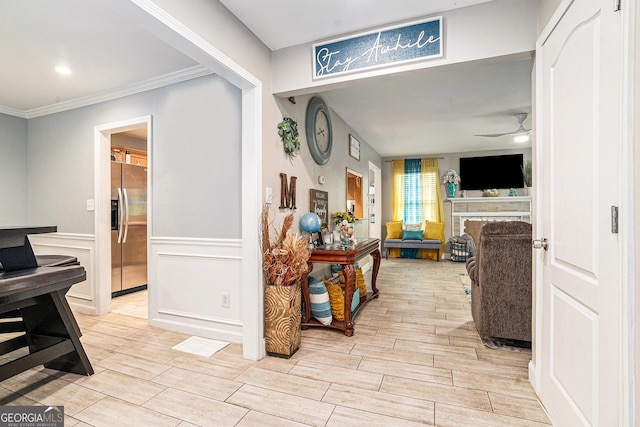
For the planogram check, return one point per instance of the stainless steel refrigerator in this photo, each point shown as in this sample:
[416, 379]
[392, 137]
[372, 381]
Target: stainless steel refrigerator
[128, 228]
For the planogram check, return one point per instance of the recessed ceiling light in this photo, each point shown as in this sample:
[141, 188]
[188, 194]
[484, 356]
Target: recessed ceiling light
[61, 69]
[520, 138]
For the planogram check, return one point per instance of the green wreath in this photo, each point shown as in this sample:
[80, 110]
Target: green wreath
[288, 131]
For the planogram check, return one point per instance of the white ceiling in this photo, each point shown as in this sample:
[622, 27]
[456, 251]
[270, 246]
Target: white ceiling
[430, 111]
[105, 52]
[284, 23]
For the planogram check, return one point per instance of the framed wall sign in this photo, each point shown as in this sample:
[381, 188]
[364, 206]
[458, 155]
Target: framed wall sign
[319, 204]
[354, 147]
[413, 41]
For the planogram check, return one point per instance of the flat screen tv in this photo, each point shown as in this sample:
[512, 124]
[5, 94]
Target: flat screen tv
[483, 173]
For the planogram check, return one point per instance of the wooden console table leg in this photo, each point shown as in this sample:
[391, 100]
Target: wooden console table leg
[349, 288]
[374, 273]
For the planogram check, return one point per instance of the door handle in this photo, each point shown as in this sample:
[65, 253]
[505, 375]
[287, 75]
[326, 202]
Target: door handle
[120, 215]
[540, 244]
[126, 215]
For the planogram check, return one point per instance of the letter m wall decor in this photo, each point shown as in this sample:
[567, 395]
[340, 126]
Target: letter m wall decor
[395, 45]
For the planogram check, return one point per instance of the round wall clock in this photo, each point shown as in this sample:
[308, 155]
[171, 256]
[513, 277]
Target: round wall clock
[319, 131]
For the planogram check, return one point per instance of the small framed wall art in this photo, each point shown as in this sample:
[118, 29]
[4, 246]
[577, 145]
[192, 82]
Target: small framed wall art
[354, 147]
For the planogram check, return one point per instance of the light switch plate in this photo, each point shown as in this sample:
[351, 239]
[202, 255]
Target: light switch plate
[268, 195]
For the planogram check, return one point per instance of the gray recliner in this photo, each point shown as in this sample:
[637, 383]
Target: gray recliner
[501, 281]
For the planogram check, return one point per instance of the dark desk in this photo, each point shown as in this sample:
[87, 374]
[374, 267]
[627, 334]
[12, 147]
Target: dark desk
[15, 250]
[347, 258]
[34, 310]
[32, 302]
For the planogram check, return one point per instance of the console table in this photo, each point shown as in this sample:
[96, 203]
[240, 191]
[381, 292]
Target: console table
[347, 258]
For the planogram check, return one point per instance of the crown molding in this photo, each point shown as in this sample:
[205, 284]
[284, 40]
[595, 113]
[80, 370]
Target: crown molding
[154, 83]
[12, 112]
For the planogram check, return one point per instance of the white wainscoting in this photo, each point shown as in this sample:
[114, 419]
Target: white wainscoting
[188, 278]
[82, 296]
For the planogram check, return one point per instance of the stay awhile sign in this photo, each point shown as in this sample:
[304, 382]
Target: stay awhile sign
[391, 45]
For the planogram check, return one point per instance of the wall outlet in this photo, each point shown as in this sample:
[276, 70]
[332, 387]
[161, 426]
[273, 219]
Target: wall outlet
[91, 205]
[225, 300]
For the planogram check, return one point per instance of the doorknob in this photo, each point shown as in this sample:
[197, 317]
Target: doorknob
[541, 244]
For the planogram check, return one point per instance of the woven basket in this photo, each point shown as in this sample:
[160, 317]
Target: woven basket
[459, 252]
[282, 320]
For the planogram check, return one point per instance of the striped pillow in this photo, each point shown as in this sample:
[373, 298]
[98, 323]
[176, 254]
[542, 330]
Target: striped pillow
[319, 298]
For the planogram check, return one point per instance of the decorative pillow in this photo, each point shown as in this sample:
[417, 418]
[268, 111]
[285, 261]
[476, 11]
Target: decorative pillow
[411, 235]
[413, 227]
[360, 283]
[319, 298]
[394, 230]
[433, 230]
[355, 301]
[336, 299]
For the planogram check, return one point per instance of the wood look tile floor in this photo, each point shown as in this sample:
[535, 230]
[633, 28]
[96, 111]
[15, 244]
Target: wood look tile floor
[415, 359]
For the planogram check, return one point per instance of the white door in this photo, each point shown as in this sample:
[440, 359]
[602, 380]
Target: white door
[579, 64]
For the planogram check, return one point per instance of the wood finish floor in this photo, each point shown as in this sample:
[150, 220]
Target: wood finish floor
[415, 359]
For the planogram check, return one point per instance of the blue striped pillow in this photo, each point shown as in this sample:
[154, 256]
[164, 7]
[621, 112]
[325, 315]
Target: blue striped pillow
[319, 298]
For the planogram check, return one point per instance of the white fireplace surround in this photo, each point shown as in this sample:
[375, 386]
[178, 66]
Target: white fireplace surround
[517, 208]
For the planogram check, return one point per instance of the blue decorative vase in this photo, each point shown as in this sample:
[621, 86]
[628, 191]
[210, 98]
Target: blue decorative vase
[451, 188]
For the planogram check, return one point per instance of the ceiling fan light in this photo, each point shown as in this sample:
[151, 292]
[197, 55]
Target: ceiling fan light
[521, 138]
[63, 70]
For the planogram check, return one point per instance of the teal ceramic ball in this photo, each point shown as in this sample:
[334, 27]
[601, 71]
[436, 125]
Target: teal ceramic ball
[310, 222]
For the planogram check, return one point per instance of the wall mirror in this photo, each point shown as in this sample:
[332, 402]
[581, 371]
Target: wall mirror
[354, 193]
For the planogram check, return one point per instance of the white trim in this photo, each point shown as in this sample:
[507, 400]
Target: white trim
[12, 112]
[195, 241]
[252, 280]
[232, 335]
[82, 246]
[211, 319]
[377, 210]
[154, 83]
[159, 23]
[627, 226]
[102, 185]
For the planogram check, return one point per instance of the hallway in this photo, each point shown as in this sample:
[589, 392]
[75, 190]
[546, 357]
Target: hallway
[415, 359]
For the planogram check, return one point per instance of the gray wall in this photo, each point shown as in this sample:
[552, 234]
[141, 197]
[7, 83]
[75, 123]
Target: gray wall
[307, 170]
[13, 170]
[195, 164]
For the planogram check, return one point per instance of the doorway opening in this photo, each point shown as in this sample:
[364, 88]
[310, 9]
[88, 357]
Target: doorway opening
[354, 194]
[129, 258]
[374, 194]
[133, 135]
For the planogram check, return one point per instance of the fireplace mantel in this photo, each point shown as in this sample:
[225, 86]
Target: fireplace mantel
[517, 208]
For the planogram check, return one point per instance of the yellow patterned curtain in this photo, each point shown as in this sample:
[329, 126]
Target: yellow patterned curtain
[397, 197]
[432, 209]
[397, 190]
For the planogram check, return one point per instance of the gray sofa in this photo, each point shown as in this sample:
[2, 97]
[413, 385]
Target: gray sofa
[501, 281]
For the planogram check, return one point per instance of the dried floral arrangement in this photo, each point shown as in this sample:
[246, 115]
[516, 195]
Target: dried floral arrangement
[284, 259]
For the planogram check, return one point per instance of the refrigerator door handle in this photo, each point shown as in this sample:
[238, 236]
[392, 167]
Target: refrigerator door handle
[126, 215]
[120, 215]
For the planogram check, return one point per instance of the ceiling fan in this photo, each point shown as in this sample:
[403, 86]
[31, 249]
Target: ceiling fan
[521, 117]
